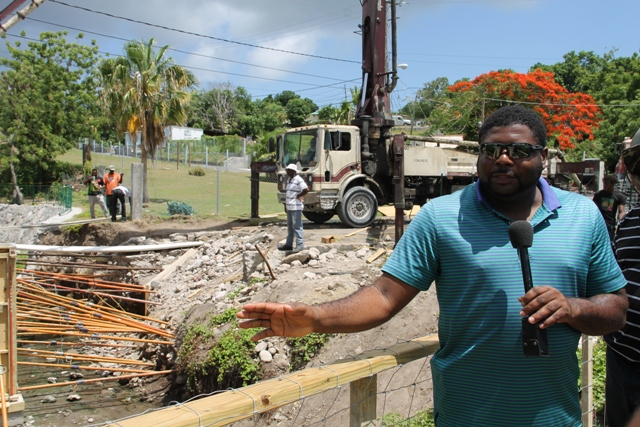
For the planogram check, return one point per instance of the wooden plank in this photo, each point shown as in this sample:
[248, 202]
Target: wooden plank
[353, 233]
[376, 255]
[587, 381]
[172, 267]
[363, 398]
[231, 406]
[333, 239]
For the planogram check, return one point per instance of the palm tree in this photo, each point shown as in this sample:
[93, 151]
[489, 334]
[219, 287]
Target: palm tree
[144, 91]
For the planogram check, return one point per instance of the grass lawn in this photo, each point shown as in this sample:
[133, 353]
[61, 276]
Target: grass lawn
[168, 184]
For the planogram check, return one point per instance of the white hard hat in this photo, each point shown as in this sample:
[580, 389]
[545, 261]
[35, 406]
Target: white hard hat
[292, 167]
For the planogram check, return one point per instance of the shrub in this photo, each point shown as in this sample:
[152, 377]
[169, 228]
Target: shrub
[420, 419]
[196, 171]
[179, 208]
[304, 348]
[216, 361]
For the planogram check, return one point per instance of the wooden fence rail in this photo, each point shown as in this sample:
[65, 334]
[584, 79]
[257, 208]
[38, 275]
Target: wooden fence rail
[234, 405]
[361, 373]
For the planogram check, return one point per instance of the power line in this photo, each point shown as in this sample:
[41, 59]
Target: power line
[188, 53]
[313, 86]
[201, 35]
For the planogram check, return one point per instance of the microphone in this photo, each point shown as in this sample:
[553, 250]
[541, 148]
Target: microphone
[534, 339]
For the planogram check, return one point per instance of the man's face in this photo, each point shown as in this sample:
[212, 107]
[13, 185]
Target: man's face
[507, 176]
[290, 173]
[608, 185]
[94, 172]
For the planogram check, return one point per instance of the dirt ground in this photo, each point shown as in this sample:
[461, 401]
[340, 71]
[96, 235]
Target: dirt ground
[418, 319]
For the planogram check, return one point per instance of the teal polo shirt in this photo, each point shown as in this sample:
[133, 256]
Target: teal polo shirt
[480, 375]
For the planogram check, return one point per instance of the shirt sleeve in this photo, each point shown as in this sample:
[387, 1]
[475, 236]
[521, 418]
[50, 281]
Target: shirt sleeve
[415, 259]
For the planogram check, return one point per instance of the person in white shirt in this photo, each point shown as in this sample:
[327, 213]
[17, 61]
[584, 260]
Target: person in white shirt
[121, 193]
[296, 190]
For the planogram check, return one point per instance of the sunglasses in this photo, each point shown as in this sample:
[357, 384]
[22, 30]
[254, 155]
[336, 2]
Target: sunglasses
[517, 150]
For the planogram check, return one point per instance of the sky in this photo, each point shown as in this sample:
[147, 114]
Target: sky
[312, 47]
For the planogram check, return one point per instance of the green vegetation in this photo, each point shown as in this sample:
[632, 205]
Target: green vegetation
[218, 361]
[180, 208]
[305, 348]
[420, 419]
[196, 171]
[47, 101]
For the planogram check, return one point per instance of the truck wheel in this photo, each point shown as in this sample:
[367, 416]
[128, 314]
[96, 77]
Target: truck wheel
[359, 207]
[319, 217]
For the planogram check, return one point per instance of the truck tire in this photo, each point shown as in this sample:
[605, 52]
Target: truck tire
[359, 207]
[319, 217]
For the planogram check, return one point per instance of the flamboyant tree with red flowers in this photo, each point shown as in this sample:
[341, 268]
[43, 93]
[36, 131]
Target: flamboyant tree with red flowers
[570, 118]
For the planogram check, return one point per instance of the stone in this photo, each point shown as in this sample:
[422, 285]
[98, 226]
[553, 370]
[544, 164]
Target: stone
[73, 397]
[265, 356]
[106, 394]
[48, 399]
[262, 345]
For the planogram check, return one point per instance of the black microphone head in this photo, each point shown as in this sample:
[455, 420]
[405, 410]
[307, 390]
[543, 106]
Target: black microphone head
[521, 234]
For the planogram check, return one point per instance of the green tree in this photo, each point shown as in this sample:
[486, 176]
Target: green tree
[47, 103]
[285, 96]
[298, 111]
[327, 114]
[427, 99]
[213, 110]
[297, 108]
[145, 91]
[614, 83]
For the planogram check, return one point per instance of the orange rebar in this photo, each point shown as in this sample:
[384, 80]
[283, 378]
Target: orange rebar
[93, 380]
[118, 311]
[76, 344]
[80, 367]
[43, 331]
[99, 314]
[109, 289]
[71, 277]
[81, 356]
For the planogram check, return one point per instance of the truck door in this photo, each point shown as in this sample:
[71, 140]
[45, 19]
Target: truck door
[341, 157]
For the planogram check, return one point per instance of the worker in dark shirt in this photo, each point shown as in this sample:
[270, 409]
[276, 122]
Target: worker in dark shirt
[611, 203]
[623, 346]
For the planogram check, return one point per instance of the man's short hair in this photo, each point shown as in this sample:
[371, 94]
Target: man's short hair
[610, 178]
[516, 115]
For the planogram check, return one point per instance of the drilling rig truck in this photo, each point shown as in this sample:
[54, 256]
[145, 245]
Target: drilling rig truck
[353, 169]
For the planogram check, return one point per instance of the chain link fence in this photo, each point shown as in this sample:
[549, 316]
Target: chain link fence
[36, 194]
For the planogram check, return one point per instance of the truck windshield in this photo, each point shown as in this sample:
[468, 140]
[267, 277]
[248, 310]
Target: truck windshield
[300, 147]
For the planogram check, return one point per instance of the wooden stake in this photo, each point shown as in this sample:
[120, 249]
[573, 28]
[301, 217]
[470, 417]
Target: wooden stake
[273, 276]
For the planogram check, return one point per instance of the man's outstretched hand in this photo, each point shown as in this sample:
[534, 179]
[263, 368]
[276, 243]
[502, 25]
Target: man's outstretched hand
[286, 320]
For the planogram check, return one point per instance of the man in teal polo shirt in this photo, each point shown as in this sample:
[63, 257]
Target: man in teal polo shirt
[461, 242]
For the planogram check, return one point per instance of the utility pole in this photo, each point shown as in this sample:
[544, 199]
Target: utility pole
[20, 15]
